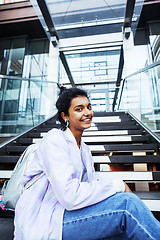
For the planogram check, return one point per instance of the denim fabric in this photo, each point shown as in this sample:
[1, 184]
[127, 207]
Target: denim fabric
[121, 216]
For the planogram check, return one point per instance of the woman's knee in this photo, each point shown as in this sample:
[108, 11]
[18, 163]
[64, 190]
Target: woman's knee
[130, 201]
[134, 205]
[130, 197]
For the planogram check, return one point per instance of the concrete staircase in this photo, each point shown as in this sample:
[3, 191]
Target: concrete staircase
[120, 147]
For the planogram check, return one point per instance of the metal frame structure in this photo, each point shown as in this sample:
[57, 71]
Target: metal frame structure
[52, 34]
[126, 30]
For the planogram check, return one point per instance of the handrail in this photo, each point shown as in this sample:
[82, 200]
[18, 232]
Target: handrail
[23, 133]
[135, 73]
[15, 78]
[152, 134]
[24, 79]
[144, 69]
[123, 80]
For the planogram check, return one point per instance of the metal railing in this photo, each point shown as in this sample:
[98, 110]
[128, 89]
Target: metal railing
[25, 103]
[140, 95]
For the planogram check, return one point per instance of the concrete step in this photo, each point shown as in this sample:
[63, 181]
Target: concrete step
[130, 176]
[126, 159]
[150, 147]
[112, 128]
[115, 139]
[99, 114]
[113, 132]
[111, 119]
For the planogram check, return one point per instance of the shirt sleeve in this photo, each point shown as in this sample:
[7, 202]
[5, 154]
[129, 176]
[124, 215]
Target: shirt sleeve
[118, 183]
[54, 158]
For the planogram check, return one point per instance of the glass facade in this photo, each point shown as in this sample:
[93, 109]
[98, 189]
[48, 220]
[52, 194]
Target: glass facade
[23, 102]
[141, 96]
[83, 18]
[38, 57]
[154, 40]
[19, 114]
[94, 64]
[74, 20]
[12, 53]
[95, 68]
[141, 92]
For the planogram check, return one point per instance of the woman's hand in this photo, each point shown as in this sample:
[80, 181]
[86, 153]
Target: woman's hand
[127, 189]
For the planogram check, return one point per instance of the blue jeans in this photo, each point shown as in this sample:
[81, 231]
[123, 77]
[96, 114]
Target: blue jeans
[121, 216]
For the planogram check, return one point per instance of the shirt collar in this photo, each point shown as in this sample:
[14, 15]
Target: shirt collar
[70, 137]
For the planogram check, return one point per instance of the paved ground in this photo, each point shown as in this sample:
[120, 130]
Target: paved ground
[6, 228]
[6, 225]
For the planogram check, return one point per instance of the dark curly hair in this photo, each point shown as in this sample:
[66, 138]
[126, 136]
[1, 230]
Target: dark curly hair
[64, 101]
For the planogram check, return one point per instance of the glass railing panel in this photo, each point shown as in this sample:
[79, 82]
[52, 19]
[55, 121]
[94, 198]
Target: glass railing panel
[25, 104]
[141, 96]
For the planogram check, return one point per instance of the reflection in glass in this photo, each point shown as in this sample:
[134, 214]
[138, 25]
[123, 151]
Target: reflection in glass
[141, 96]
[99, 67]
[18, 116]
[24, 103]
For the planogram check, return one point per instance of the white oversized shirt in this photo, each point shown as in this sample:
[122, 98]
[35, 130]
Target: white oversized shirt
[39, 211]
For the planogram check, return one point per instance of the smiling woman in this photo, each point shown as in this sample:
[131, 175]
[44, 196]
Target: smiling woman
[68, 202]
[79, 116]
[74, 108]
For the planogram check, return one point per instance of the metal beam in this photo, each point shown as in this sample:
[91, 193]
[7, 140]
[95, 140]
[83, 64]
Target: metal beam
[93, 83]
[47, 17]
[14, 78]
[67, 69]
[128, 17]
[120, 68]
[119, 77]
[129, 13]
[42, 4]
[126, 29]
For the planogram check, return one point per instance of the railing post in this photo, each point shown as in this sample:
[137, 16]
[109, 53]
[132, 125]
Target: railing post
[52, 76]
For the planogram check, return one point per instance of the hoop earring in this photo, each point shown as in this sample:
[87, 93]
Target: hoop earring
[67, 123]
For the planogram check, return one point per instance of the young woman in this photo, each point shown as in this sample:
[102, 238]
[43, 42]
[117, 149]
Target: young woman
[67, 202]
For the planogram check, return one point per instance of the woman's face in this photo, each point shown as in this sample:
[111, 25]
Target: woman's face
[80, 114]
